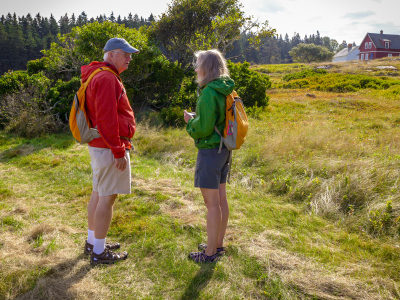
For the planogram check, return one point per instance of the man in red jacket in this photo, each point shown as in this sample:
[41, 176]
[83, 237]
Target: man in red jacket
[108, 109]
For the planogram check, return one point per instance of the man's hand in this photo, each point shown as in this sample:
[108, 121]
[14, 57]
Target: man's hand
[120, 163]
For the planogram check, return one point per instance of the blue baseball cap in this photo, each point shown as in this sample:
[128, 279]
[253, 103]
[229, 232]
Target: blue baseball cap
[119, 43]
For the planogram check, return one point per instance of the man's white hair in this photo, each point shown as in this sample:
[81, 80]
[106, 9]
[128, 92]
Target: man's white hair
[105, 56]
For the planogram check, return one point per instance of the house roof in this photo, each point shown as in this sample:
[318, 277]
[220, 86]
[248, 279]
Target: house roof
[345, 51]
[379, 40]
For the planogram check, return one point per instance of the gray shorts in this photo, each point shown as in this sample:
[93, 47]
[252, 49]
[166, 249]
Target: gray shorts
[211, 168]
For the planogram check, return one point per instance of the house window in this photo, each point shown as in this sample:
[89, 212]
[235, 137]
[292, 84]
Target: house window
[387, 45]
[390, 55]
[362, 56]
[366, 45]
[370, 45]
[366, 56]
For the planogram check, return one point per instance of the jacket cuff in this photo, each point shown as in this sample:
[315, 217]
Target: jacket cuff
[120, 152]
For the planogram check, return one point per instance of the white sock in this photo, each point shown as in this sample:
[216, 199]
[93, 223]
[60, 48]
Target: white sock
[90, 237]
[99, 245]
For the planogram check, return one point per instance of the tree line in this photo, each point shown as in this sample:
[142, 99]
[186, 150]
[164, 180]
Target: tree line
[23, 38]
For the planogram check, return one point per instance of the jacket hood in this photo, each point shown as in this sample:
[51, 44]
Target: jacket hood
[88, 69]
[223, 85]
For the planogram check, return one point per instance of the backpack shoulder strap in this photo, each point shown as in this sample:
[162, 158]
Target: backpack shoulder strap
[86, 83]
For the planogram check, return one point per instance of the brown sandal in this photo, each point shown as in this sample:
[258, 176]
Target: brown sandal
[220, 250]
[107, 257]
[89, 248]
[202, 257]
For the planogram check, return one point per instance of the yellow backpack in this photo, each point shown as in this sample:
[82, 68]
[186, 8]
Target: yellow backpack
[79, 122]
[236, 123]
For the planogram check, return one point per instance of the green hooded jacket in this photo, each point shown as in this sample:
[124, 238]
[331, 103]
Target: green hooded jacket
[210, 112]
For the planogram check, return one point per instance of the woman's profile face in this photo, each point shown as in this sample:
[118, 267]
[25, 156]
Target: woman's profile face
[198, 69]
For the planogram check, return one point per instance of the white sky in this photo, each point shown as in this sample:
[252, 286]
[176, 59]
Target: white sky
[342, 20]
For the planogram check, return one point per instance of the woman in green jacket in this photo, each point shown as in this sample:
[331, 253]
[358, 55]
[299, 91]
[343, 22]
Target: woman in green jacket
[211, 167]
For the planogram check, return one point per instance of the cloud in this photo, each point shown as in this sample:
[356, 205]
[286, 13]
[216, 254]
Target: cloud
[388, 27]
[359, 15]
[268, 7]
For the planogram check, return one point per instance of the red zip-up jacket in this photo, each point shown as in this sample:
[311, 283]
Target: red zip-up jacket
[108, 108]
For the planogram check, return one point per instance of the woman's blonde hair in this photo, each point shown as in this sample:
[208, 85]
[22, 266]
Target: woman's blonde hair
[213, 65]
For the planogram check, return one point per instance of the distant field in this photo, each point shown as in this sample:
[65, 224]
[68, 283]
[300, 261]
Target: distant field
[314, 198]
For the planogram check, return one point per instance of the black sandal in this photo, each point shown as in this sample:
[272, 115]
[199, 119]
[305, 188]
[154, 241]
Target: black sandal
[202, 257]
[220, 250]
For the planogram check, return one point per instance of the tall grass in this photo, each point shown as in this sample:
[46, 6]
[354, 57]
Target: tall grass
[314, 210]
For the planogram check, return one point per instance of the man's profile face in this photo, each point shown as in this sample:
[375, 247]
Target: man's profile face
[120, 60]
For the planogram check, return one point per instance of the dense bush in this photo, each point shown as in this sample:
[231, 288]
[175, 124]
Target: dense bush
[12, 82]
[151, 80]
[28, 114]
[61, 96]
[280, 68]
[250, 85]
[20, 83]
[341, 83]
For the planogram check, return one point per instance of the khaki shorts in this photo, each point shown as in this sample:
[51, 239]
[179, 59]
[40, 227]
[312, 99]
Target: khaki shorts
[107, 179]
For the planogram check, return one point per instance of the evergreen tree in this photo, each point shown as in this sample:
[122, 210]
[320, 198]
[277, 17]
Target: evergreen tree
[151, 18]
[15, 52]
[82, 19]
[3, 49]
[101, 19]
[318, 39]
[64, 24]
[54, 30]
[129, 22]
[72, 22]
[112, 18]
[136, 21]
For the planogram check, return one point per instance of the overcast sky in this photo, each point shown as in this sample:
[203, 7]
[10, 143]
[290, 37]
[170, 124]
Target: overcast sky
[342, 20]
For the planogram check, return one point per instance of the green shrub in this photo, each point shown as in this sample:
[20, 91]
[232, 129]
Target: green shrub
[20, 86]
[150, 79]
[382, 221]
[280, 68]
[61, 96]
[28, 114]
[172, 116]
[304, 74]
[254, 111]
[15, 81]
[35, 66]
[251, 86]
[338, 82]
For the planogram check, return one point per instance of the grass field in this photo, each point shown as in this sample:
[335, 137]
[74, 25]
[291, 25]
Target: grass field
[314, 200]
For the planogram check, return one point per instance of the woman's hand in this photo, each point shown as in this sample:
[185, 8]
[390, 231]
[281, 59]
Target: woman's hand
[187, 116]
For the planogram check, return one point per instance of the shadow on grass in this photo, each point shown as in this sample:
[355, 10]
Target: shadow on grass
[25, 147]
[58, 280]
[199, 282]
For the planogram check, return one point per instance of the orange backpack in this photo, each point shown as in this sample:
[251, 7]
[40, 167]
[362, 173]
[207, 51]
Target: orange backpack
[236, 123]
[79, 122]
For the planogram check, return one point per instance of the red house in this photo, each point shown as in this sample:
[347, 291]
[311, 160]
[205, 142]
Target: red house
[376, 45]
